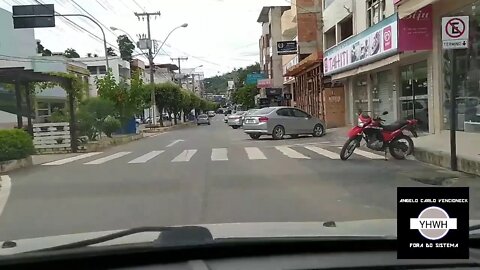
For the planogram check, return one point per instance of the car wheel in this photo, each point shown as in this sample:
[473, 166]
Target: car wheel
[278, 133]
[209, 123]
[255, 136]
[198, 124]
[318, 131]
[235, 127]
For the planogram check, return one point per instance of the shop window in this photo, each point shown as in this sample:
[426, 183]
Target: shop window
[414, 94]
[375, 11]
[467, 77]
[92, 69]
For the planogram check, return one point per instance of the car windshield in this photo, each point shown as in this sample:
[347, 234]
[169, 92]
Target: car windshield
[215, 112]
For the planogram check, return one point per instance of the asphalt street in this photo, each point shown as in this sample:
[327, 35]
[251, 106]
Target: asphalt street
[210, 174]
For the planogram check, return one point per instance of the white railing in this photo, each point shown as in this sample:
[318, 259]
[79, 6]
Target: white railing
[52, 136]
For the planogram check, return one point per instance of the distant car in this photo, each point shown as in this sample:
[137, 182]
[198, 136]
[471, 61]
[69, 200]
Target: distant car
[236, 120]
[203, 119]
[281, 121]
[211, 114]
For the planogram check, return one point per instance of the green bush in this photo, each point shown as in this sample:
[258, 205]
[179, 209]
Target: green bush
[110, 125]
[15, 144]
[59, 116]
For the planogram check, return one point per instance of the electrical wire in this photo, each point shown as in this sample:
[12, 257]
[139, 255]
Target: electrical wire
[136, 3]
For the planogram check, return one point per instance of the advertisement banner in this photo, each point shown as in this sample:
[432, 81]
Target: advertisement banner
[416, 30]
[286, 47]
[264, 83]
[376, 42]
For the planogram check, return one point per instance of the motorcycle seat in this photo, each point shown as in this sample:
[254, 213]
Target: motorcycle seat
[395, 126]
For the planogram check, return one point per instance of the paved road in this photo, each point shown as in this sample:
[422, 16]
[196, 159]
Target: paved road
[208, 174]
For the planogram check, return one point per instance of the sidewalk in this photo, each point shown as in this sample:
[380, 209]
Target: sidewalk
[435, 149]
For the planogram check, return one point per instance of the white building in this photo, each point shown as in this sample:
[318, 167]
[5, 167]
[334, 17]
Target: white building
[98, 68]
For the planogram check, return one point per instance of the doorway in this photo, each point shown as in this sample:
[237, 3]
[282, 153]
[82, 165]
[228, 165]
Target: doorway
[414, 94]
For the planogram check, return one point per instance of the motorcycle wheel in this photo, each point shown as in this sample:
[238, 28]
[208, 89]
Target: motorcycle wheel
[396, 147]
[348, 148]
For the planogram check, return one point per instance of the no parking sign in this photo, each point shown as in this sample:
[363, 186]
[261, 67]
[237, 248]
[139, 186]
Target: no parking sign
[455, 32]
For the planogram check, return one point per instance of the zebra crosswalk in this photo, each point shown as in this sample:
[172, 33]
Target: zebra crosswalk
[296, 152]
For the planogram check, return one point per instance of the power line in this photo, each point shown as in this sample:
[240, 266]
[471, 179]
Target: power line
[136, 3]
[78, 26]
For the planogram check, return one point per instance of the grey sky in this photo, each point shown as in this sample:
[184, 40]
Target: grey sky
[222, 34]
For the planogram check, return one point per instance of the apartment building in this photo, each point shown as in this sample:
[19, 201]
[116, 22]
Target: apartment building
[271, 64]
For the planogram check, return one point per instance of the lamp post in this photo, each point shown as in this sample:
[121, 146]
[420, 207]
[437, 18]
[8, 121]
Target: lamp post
[193, 77]
[165, 40]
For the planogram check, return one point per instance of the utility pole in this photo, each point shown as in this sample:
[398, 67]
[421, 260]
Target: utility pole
[179, 59]
[150, 57]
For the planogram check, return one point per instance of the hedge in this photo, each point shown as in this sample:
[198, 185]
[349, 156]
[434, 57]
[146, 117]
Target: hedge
[15, 144]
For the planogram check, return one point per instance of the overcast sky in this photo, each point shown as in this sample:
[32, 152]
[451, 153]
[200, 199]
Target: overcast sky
[222, 34]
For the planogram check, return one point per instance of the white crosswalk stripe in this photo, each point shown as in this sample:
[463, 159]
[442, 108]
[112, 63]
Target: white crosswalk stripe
[219, 154]
[71, 159]
[145, 158]
[107, 158]
[254, 153]
[185, 156]
[287, 151]
[366, 154]
[323, 152]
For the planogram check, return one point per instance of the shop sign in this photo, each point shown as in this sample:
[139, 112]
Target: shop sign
[286, 47]
[416, 30]
[264, 83]
[376, 42]
[455, 32]
[253, 78]
[274, 91]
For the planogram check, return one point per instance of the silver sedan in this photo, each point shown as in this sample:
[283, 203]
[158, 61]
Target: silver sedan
[281, 121]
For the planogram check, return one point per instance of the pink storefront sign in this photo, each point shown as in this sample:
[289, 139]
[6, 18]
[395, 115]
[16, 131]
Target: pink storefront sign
[415, 31]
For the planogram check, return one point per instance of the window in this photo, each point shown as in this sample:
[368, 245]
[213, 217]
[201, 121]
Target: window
[102, 70]
[375, 11]
[284, 112]
[265, 111]
[92, 69]
[346, 28]
[330, 39]
[299, 113]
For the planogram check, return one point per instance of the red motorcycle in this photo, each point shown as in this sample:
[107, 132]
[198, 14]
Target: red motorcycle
[381, 137]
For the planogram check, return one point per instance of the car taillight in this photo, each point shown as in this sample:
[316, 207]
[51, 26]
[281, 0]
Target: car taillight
[263, 119]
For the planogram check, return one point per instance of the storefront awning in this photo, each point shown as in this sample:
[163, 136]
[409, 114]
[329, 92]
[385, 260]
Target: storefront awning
[384, 62]
[407, 7]
[305, 64]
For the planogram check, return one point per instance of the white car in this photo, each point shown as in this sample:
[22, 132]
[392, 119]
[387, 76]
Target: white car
[236, 120]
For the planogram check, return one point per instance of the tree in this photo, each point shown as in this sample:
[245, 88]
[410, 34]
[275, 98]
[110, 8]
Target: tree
[71, 53]
[175, 102]
[92, 114]
[246, 96]
[186, 104]
[164, 96]
[111, 52]
[128, 99]
[42, 50]
[89, 54]
[126, 47]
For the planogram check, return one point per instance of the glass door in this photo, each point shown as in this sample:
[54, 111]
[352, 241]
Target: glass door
[414, 94]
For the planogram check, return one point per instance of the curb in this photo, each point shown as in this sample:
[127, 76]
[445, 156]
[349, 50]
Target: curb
[442, 159]
[97, 146]
[10, 165]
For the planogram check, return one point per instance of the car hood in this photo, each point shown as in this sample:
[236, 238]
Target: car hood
[377, 228]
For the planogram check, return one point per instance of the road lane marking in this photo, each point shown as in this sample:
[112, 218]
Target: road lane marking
[107, 158]
[146, 157]
[254, 153]
[5, 187]
[323, 152]
[71, 159]
[290, 152]
[366, 154]
[174, 142]
[219, 154]
[185, 156]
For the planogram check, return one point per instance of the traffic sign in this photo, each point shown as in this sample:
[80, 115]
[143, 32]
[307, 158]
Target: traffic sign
[455, 32]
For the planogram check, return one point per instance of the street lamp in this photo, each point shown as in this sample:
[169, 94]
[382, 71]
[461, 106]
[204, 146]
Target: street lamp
[113, 28]
[165, 40]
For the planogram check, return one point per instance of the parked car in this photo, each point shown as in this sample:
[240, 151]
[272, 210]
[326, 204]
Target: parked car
[236, 120]
[227, 113]
[203, 119]
[211, 114]
[281, 121]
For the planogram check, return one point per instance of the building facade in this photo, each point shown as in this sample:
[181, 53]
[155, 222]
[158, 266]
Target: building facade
[271, 63]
